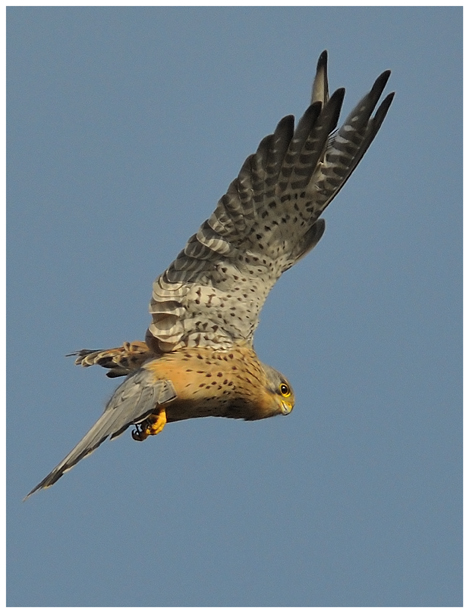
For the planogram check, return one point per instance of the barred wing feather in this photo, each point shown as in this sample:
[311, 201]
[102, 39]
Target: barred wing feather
[212, 293]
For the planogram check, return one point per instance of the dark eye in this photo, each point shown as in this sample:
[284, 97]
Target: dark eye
[284, 389]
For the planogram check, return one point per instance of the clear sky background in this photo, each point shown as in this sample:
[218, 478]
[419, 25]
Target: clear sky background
[125, 126]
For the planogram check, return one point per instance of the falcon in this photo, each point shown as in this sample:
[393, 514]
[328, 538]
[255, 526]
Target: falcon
[198, 358]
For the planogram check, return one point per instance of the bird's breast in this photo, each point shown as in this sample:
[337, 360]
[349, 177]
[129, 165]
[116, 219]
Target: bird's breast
[213, 383]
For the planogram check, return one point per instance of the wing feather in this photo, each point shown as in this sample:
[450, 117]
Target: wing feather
[212, 293]
[131, 403]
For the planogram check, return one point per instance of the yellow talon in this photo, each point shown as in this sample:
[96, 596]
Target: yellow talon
[151, 426]
[155, 427]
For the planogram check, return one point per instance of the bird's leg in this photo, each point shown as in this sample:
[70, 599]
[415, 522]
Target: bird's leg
[152, 425]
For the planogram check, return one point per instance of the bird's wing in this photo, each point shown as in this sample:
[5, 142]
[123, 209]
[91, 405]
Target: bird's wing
[212, 293]
[135, 399]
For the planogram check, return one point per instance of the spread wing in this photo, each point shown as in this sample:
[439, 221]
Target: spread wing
[131, 403]
[212, 293]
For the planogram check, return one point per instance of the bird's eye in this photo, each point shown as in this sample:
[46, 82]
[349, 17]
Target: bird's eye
[284, 390]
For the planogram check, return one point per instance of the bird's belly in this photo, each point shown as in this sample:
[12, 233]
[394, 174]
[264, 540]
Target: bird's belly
[234, 408]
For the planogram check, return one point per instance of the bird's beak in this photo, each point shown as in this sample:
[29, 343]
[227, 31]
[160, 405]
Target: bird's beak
[287, 407]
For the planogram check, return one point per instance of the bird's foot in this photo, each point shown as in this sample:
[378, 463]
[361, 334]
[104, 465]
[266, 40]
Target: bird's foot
[151, 426]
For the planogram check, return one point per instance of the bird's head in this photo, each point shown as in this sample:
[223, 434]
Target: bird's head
[280, 390]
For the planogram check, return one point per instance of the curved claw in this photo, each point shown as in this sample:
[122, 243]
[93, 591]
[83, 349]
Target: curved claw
[139, 433]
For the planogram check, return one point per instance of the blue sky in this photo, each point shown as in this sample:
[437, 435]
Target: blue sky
[125, 126]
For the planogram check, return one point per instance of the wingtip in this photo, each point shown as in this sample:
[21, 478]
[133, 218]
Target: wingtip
[33, 491]
[44, 484]
[382, 111]
[339, 94]
[387, 101]
[322, 61]
[381, 81]
[320, 90]
[390, 97]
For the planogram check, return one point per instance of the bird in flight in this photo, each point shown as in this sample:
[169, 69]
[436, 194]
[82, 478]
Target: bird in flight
[198, 358]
